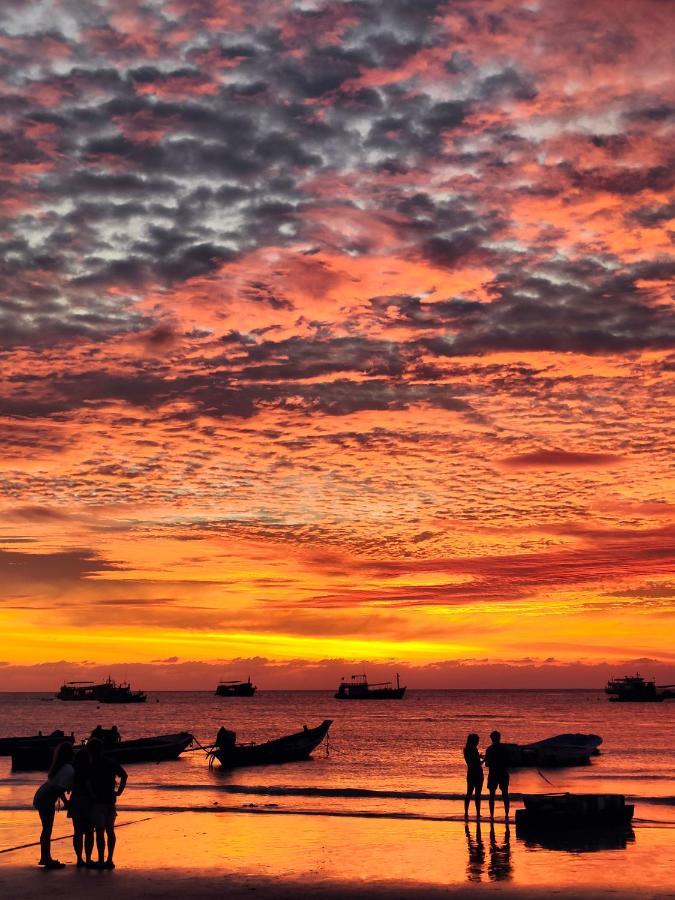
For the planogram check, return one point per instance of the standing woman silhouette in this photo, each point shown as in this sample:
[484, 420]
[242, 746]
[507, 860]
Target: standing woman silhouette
[474, 774]
[59, 781]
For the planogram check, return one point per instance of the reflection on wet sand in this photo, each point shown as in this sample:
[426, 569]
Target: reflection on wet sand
[500, 866]
[476, 864]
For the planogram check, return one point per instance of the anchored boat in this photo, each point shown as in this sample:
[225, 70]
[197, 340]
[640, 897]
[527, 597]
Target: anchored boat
[158, 748]
[358, 688]
[290, 748]
[108, 692]
[554, 752]
[546, 813]
[236, 688]
[636, 689]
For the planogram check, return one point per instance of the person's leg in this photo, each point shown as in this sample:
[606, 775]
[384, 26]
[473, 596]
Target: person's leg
[491, 801]
[477, 797]
[100, 843]
[505, 798]
[112, 840]
[88, 843]
[47, 820]
[467, 797]
[78, 840]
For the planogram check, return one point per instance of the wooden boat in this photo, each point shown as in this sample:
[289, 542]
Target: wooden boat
[150, 749]
[291, 748]
[9, 744]
[236, 688]
[37, 755]
[554, 752]
[158, 748]
[549, 813]
[107, 692]
[358, 688]
[636, 689]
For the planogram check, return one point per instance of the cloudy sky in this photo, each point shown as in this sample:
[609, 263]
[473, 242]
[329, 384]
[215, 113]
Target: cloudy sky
[336, 330]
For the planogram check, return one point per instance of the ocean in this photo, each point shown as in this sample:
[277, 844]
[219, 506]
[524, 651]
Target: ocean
[384, 758]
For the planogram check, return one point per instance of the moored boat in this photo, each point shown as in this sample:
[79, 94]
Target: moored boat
[636, 689]
[37, 755]
[236, 688]
[359, 688]
[570, 812]
[290, 748]
[9, 744]
[107, 692]
[159, 748]
[554, 752]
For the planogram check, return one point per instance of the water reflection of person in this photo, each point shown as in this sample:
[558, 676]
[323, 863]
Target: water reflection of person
[475, 867]
[500, 867]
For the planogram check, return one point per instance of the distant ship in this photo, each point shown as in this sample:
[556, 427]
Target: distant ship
[236, 688]
[636, 689]
[358, 688]
[108, 692]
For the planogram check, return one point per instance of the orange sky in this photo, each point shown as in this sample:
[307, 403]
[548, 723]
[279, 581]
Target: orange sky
[341, 333]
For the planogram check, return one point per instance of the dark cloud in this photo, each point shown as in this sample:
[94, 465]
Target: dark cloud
[560, 459]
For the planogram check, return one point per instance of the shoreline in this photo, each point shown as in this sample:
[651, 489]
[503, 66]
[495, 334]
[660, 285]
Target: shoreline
[192, 855]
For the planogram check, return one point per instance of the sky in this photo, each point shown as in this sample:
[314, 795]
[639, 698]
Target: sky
[335, 336]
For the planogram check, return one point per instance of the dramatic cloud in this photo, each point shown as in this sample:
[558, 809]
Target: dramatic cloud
[337, 320]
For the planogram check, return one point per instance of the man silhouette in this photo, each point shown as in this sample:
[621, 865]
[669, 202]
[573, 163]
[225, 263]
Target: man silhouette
[103, 774]
[498, 777]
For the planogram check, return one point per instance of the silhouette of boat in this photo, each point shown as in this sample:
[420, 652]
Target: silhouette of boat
[554, 752]
[107, 692]
[158, 748]
[236, 688]
[290, 748]
[37, 755]
[546, 814]
[9, 744]
[636, 689]
[358, 688]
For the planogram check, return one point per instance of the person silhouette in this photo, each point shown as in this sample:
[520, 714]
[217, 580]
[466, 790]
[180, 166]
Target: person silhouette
[474, 774]
[79, 808]
[104, 772]
[59, 782]
[496, 760]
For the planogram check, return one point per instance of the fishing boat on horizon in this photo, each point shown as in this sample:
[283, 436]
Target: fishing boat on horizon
[636, 689]
[236, 688]
[107, 692]
[359, 688]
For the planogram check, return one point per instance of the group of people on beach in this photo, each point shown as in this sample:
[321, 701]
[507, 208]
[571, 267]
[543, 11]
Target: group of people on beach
[496, 760]
[86, 783]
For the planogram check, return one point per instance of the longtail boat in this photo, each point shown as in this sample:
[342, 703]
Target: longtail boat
[9, 744]
[554, 752]
[159, 748]
[290, 748]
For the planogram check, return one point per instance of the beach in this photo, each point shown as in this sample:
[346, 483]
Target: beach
[267, 854]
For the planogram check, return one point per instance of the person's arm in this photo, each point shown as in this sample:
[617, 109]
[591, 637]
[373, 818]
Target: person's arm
[123, 781]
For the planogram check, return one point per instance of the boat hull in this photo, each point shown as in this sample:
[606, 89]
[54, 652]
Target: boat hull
[154, 749]
[546, 814]
[291, 748]
[240, 690]
[9, 744]
[37, 756]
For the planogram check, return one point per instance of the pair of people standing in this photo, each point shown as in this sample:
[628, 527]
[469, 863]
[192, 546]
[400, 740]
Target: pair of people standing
[89, 778]
[496, 760]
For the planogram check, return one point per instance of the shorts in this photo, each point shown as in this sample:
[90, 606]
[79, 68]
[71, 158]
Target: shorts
[103, 815]
[45, 797]
[79, 810]
[498, 780]
[474, 780]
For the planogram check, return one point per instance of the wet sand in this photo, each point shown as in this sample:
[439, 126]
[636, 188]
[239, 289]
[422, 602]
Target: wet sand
[199, 855]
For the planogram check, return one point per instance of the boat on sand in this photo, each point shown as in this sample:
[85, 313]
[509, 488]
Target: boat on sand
[290, 748]
[546, 813]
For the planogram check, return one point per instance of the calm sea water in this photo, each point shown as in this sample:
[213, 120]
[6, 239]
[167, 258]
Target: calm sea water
[381, 755]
